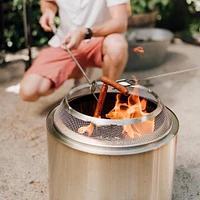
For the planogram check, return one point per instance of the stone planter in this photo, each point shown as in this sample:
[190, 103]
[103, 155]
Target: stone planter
[143, 20]
[154, 41]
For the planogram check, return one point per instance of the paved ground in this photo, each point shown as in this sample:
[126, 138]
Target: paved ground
[23, 150]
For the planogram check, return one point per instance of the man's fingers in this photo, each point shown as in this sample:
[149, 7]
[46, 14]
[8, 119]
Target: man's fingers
[45, 20]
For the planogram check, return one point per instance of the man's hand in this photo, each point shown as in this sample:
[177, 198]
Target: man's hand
[46, 19]
[74, 38]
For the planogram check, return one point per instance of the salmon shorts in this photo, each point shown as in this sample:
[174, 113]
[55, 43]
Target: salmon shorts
[57, 65]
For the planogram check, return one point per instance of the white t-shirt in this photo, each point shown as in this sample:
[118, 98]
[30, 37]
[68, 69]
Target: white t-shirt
[82, 13]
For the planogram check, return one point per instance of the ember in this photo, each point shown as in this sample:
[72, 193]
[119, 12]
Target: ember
[139, 50]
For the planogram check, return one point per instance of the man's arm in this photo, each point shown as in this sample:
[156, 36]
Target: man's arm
[48, 5]
[49, 9]
[117, 23]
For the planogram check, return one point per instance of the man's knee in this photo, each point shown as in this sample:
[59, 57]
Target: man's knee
[34, 86]
[27, 93]
[116, 45]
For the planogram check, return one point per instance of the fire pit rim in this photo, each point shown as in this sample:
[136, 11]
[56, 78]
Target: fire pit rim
[102, 122]
[96, 148]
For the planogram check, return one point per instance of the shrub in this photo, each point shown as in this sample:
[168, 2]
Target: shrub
[14, 37]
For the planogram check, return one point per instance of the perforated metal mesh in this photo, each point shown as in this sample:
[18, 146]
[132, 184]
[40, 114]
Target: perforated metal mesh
[110, 134]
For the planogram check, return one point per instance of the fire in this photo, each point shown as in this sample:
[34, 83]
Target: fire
[86, 129]
[134, 108]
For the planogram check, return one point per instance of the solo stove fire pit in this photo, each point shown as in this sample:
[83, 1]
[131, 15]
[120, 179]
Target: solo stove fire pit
[111, 164]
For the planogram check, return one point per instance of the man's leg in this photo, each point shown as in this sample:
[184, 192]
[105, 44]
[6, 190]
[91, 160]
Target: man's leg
[48, 72]
[54, 66]
[115, 55]
[33, 86]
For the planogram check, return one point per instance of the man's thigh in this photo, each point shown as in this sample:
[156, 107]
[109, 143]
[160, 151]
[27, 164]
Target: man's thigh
[57, 65]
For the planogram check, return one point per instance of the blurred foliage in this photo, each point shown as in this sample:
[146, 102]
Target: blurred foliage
[143, 6]
[193, 6]
[14, 36]
[175, 15]
[164, 7]
[192, 30]
[171, 15]
[194, 26]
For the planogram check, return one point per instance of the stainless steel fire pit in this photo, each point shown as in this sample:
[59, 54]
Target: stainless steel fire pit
[108, 165]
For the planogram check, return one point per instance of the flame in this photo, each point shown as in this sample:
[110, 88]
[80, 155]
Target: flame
[86, 129]
[134, 108]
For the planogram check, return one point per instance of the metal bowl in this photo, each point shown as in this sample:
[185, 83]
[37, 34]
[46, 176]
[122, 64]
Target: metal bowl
[154, 41]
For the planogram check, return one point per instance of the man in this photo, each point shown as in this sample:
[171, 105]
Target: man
[92, 30]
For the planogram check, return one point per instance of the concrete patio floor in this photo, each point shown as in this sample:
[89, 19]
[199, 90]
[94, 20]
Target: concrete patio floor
[23, 147]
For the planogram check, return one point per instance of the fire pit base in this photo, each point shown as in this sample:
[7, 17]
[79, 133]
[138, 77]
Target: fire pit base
[147, 173]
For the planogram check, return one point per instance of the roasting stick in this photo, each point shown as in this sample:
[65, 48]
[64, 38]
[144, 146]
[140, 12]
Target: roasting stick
[70, 53]
[97, 113]
[92, 84]
[116, 85]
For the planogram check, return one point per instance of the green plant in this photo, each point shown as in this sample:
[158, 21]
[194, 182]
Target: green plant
[193, 6]
[14, 37]
[193, 27]
[144, 6]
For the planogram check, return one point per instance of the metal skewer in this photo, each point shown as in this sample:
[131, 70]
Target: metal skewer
[93, 84]
[70, 53]
[129, 82]
[168, 74]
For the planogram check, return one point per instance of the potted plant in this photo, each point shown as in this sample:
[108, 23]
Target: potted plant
[144, 13]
